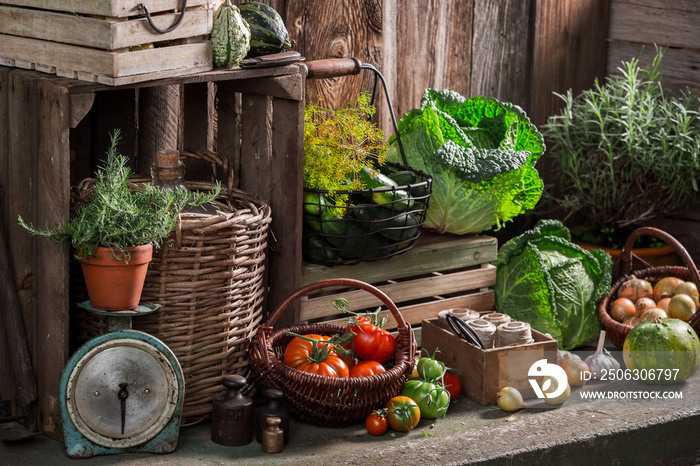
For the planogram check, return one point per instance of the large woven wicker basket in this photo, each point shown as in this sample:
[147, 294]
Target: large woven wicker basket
[329, 401]
[630, 264]
[209, 280]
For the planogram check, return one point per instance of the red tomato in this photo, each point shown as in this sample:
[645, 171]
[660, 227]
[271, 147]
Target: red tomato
[403, 413]
[312, 357]
[377, 423]
[453, 385]
[374, 343]
[366, 369]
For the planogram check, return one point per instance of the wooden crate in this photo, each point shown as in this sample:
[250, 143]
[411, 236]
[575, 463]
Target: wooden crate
[439, 272]
[54, 131]
[104, 41]
[485, 372]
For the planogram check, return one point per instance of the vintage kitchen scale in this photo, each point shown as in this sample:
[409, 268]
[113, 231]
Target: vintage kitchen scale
[121, 391]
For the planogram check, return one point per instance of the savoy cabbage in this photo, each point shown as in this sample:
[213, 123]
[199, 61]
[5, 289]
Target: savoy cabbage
[481, 154]
[546, 280]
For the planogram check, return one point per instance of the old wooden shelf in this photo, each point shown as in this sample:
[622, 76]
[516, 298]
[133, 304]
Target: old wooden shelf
[52, 135]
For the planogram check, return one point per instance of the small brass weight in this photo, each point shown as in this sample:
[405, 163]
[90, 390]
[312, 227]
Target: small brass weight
[273, 437]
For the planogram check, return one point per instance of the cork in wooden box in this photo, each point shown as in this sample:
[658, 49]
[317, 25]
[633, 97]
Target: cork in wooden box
[107, 42]
[485, 372]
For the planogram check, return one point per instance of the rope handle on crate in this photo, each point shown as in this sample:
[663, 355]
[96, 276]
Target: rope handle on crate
[332, 282]
[339, 67]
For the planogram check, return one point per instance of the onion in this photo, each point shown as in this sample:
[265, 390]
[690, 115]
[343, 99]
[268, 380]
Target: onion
[653, 313]
[635, 288]
[510, 399]
[642, 305]
[601, 359]
[561, 354]
[622, 308]
[666, 287]
[553, 388]
[575, 369]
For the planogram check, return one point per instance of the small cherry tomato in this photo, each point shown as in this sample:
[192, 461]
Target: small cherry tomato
[403, 413]
[453, 385]
[366, 369]
[377, 423]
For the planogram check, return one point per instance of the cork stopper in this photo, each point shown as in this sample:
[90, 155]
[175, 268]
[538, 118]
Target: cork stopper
[168, 158]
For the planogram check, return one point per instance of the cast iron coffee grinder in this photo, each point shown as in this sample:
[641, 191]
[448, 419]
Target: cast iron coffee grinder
[121, 391]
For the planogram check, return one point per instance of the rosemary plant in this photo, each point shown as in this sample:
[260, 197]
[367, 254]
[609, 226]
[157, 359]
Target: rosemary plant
[120, 216]
[627, 151]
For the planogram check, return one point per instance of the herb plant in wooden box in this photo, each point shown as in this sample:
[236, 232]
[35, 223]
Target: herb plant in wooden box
[115, 232]
[624, 152]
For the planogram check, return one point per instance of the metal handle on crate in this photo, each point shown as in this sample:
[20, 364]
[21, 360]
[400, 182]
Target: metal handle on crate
[337, 67]
[143, 7]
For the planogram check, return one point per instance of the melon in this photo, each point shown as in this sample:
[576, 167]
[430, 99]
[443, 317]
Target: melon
[661, 344]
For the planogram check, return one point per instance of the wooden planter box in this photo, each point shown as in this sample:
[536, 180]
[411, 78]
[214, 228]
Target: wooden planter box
[107, 42]
[439, 272]
[485, 372]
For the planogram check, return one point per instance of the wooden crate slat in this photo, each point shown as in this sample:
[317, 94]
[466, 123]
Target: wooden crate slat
[319, 307]
[106, 34]
[138, 65]
[431, 253]
[118, 8]
[286, 176]
[414, 314]
[53, 207]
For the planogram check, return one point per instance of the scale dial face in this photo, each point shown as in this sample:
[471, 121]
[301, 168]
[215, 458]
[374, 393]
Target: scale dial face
[122, 393]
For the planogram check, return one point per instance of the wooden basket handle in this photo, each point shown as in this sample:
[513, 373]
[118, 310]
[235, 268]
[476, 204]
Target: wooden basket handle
[331, 282]
[626, 262]
[214, 159]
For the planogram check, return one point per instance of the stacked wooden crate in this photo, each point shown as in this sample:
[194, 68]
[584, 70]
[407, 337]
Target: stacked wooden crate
[110, 42]
[439, 272]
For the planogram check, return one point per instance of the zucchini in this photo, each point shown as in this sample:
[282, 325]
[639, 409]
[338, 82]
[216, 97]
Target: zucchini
[348, 235]
[268, 34]
[316, 249]
[403, 177]
[314, 203]
[389, 193]
[397, 227]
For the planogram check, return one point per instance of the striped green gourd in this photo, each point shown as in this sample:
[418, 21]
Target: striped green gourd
[230, 36]
[268, 33]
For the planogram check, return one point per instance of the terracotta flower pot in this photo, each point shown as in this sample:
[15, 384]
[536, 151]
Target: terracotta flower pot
[113, 284]
[664, 255]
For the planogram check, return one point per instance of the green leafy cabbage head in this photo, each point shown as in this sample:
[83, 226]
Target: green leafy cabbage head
[554, 285]
[481, 154]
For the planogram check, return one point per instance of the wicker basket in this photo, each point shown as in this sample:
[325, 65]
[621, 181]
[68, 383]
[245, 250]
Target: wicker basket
[328, 401]
[209, 280]
[630, 264]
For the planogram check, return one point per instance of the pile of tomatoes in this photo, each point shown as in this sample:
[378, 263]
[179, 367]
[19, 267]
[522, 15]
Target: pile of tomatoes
[427, 394]
[361, 351]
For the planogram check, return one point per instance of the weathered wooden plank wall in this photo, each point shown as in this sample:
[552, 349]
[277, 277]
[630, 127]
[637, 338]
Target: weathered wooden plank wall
[515, 50]
[635, 26]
